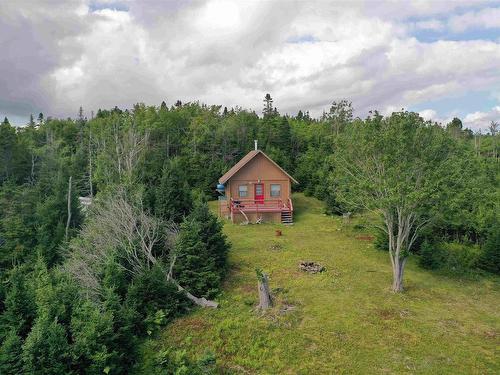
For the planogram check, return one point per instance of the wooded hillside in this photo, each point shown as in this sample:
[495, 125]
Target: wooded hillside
[81, 287]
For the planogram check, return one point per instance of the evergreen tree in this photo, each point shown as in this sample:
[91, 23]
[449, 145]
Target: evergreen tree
[10, 354]
[268, 105]
[40, 118]
[173, 197]
[91, 332]
[211, 235]
[8, 142]
[46, 349]
[194, 267]
[20, 310]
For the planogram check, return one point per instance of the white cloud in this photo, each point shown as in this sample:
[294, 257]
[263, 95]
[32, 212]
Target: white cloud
[480, 121]
[428, 114]
[232, 53]
[487, 18]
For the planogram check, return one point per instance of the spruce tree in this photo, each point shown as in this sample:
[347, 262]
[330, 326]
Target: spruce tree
[194, 268]
[20, 308]
[173, 197]
[10, 355]
[211, 235]
[46, 349]
[268, 105]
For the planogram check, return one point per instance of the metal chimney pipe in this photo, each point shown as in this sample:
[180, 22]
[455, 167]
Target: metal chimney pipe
[255, 142]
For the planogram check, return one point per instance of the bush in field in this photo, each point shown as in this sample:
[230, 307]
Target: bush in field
[452, 257]
[431, 256]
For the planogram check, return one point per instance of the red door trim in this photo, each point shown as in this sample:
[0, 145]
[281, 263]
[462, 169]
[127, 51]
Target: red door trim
[259, 199]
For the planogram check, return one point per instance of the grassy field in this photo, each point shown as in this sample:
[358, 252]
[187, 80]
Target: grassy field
[345, 320]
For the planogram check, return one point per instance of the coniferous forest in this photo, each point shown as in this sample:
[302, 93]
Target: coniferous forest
[81, 285]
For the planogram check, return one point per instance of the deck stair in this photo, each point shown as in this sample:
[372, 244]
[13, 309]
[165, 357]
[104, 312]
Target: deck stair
[286, 217]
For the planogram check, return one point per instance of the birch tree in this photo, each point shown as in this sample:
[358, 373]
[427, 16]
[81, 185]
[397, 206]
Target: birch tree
[398, 167]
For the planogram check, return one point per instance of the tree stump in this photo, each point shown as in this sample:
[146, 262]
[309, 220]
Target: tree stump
[265, 299]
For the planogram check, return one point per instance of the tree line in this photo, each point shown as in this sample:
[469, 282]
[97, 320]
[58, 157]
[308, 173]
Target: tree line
[80, 287]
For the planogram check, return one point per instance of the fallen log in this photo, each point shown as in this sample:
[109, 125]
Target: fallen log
[203, 302]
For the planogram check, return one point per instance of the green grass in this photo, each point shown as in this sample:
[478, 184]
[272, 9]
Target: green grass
[345, 320]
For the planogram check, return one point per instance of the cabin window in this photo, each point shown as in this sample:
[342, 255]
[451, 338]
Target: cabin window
[275, 190]
[243, 191]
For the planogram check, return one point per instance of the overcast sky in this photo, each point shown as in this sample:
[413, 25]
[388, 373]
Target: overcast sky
[441, 59]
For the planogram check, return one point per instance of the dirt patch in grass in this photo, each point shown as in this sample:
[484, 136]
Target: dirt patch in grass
[386, 314]
[249, 288]
[365, 238]
[491, 335]
[195, 324]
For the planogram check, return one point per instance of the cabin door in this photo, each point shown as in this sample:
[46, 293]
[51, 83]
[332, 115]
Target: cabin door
[259, 193]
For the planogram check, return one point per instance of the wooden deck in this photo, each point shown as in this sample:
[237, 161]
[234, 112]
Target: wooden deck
[266, 205]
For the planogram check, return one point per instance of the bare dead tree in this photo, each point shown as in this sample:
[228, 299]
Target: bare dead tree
[129, 147]
[116, 228]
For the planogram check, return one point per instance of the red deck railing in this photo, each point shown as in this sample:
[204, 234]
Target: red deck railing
[265, 205]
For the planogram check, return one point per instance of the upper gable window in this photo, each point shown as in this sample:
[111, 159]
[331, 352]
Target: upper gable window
[243, 191]
[275, 190]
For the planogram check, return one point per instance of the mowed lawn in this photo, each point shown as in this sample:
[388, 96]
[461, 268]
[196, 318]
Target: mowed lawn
[345, 320]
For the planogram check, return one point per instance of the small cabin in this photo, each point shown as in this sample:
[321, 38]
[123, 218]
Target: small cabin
[256, 190]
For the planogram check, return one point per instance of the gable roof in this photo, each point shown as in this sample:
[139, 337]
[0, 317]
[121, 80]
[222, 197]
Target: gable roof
[235, 168]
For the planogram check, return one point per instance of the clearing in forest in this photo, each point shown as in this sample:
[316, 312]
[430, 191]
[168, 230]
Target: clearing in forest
[342, 320]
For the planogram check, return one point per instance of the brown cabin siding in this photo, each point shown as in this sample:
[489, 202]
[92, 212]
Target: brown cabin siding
[259, 168]
[256, 167]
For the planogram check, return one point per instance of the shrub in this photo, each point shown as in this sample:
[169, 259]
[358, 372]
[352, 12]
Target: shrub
[176, 362]
[453, 256]
[381, 240]
[489, 259]
[149, 292]
[460, 257]
[431, 256]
